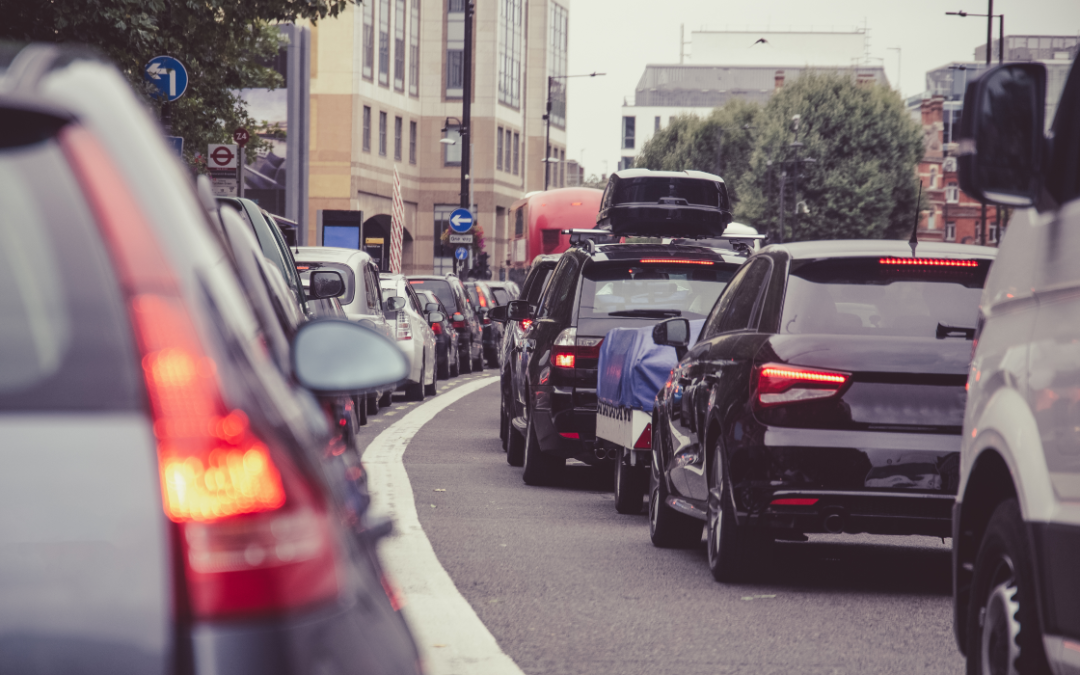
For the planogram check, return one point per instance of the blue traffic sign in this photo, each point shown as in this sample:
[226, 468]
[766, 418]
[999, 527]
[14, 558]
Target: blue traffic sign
[168, 75]
[176, 143]
[461, 221]
[461, 253]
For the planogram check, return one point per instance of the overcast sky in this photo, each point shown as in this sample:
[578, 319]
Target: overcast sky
[619, 37]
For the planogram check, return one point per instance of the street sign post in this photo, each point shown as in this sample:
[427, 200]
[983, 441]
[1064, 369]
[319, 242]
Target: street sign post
[222, 162]
[168, 75]
[461, 239]
[461, 221]
[241, 136]
[461, 253]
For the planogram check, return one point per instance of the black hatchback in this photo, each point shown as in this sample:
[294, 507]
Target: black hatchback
[825, 393]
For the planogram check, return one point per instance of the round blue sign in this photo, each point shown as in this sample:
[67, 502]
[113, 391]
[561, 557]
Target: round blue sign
[461, 221]
[461, 253]
[168, 75]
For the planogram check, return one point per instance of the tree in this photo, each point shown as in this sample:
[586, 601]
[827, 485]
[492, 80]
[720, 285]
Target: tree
[224, 44]
[865, 147]
[721, 143]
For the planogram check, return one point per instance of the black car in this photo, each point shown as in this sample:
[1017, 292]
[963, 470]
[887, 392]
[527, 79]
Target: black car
[451, 291]
[825, 393]
[445, 335]
[594, 288]
[483, 299]
[510, 365]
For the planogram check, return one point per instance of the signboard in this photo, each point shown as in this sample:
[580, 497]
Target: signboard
[461, 253]
[461, 239]
[221, 163]
[461, 221]
[176, 143]
[241, 136]
[168, 75]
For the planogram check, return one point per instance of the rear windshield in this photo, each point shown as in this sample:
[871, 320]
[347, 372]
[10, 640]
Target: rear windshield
[501, 296]
[441, 289]
[65, 338]
[652, 290]
[306, 268]
[876, 296]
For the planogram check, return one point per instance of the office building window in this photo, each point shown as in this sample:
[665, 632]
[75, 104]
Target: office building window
[949, 165]
[517, 145]
[452, 151]
[384, 41]
[628, 133]
[499, 149]
[992, 233]
[511, 20]
[399, 45]
[507, 145]
[626, 163]
[562, 168]
[950, 231]
[952, 194]
[369, 39]
[455, 48]
[412, 142]
[398, 131]
[558, 22]
[414, 48]
[382, 134]
[366, 136]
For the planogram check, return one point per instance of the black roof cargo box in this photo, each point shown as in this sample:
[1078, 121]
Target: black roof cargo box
[644, 203]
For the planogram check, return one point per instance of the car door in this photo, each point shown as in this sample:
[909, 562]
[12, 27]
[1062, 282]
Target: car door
[420, 327]
[725, 348]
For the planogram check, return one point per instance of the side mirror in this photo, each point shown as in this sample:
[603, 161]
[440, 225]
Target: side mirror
[325, 284]
[395, 303]
[517, 310]
[673, 333]
[1001, 135]
[431, 307]
[436, 317]
[339, 356]
[498, 314]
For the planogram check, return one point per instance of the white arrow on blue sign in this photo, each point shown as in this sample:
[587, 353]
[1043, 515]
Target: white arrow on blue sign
[461, 222]
[168, 75]
[461, 253]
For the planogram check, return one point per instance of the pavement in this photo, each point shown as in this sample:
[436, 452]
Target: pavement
[500, 577]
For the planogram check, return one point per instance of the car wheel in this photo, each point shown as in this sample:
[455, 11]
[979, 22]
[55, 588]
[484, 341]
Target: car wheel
[386, 399]
[415, 392]
[361, 409]
[492, 359]
[1003, 627]
[515, 444]
[631, 484]
[432, 389]
[373, 404]
[541, 468]
[443, 367]
[466, 360]
[504, 419]
[667, 527]
[478, 363]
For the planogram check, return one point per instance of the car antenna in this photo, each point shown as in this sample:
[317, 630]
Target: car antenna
[914, 241]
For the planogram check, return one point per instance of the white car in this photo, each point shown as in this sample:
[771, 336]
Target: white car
[414, 336]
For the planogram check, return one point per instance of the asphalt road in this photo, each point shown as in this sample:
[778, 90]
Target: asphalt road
[567, 585]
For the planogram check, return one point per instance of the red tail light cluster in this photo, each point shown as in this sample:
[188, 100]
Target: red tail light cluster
[254, 537]
[568, 348]
[779, 384]
[436, 328]
[524, 324]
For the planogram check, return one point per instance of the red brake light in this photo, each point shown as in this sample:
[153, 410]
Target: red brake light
[779, 384]
[253, 536]
[929, 262]
[794, 501]
[525, 323]
[676, 261]
[564, 360]
[573, 435]
[436, 328]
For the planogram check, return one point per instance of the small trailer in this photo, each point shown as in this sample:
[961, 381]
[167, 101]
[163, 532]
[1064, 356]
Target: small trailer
[632, 370]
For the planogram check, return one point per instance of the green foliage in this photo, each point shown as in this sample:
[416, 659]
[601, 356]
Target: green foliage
[865, 148]
[224, 44]
[721, 143]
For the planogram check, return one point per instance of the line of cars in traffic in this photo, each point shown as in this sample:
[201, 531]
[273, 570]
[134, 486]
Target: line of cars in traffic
[883, 387]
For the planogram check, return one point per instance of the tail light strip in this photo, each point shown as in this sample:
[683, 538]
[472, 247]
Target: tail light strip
[779, 384]
[929, 262]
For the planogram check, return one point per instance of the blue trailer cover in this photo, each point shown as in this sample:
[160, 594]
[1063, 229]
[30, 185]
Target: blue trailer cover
[633, 368]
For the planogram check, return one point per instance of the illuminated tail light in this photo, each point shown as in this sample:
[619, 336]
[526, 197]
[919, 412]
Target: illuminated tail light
[569, 348]
[778, 384]
[928, 262]
[254, 538]
[794, 501]
[676, 261]
[524, 324]
[644, 441]
[436, 328]
[404, 328]
[572, 435]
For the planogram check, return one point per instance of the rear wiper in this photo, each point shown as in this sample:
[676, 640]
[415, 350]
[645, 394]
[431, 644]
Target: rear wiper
[945, 330]
[648, 313]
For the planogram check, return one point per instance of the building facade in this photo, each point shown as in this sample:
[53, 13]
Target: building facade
[386, 93]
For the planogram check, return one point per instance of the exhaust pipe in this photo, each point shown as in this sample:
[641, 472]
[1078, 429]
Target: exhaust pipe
[606, 453]
[834, 521]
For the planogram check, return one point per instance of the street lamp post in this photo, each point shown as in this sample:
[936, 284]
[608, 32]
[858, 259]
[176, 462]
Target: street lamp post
[795, 146]
[547, 118]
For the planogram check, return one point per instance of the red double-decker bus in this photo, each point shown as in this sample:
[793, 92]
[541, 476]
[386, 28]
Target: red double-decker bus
[539, 216]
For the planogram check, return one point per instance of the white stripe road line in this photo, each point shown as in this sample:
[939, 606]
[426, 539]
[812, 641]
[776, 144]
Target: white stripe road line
[451, 637]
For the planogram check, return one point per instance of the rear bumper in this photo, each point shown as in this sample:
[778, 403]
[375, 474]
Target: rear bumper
[858, 481]
[565, 422]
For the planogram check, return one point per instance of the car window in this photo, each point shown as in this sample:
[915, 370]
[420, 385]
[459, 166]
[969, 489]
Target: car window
[536, 289]
[714, 323]
[375, 295]
[652, 290]
[65, 338]
[306, 268]
[415, 300]
[869, 296]
[441, 288]
[501, 296]
[739, 312]
[558, 299]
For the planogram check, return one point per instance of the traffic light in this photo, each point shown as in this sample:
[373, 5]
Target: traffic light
[483, 271]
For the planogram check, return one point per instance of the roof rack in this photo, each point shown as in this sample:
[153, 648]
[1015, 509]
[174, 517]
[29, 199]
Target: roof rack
[590, 238]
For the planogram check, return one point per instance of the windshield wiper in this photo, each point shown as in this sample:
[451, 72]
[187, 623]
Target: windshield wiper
[648, 313]
[945, 330]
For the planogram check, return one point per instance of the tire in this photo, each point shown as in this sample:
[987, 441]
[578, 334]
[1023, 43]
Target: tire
[433, 388]
[386, 399]
[373, 404]
[415, 392]
[541, 468]
[515, 447]
[454, 363]
[1008, 638]
[361, 405]
[443, 367]
[504, 420]
[492, 359]
[669, 528]
[478, 363]
[631, 484]
[465, 360]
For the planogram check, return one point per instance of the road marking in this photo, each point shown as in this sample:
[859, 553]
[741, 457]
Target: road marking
[451, 637]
